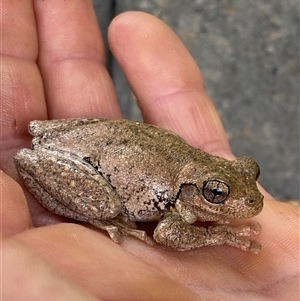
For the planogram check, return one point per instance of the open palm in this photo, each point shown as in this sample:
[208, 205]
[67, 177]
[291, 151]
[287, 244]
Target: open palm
[53, 66]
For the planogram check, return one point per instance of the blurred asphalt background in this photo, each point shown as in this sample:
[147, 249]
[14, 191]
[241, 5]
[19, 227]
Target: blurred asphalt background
[248, 52]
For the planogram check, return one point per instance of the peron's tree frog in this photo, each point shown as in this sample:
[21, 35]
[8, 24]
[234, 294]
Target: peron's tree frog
[113, 173]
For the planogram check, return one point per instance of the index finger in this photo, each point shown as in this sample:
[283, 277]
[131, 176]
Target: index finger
[53, 66]
[72, 61]
[22, 96]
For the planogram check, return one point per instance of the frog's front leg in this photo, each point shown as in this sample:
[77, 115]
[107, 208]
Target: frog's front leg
[174, 232]
[67, 185]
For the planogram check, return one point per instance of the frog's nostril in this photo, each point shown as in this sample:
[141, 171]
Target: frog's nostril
[250, 202]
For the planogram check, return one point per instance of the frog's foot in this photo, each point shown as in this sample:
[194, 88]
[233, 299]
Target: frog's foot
[172, 231]
[121, 226]
[140, 234]
[223, 234]
[112, 230]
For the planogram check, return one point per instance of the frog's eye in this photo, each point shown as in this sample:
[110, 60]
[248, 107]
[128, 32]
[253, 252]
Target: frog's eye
[215, 191]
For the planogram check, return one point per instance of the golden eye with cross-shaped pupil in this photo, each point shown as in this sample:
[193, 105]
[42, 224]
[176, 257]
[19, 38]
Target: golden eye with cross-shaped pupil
[215, 191]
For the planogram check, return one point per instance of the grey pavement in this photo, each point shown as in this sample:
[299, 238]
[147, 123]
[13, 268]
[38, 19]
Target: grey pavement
[248, 52]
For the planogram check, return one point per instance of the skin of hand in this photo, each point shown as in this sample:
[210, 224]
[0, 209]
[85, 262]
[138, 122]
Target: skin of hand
[53, 66]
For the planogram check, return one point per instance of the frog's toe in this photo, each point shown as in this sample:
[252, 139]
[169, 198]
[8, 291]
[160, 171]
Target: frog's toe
[249, 230]
[250, 246]
[255, 228]
[255, 247]
[114, 233]
[245, 245]
[112, 230]
[138, 234]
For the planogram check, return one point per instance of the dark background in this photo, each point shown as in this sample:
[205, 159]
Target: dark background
[248, 52]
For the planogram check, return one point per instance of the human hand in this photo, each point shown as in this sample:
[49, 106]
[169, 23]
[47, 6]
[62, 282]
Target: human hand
[53, 67]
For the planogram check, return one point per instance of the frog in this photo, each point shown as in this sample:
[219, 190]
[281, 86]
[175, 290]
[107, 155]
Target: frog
[115, 174]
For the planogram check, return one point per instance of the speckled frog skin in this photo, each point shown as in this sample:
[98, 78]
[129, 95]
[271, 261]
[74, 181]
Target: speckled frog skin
[112, 173]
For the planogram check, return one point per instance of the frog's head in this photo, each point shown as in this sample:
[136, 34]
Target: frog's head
[224, 191]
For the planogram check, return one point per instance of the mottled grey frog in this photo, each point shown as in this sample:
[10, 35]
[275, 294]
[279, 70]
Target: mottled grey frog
[113, 173]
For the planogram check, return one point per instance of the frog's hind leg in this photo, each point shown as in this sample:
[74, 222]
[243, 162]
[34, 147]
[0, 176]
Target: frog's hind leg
[67, 185]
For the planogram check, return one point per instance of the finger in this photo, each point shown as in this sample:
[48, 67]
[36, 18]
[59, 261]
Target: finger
[105, 263]
[166, 80]
[15, 216]
[21, 89]
[22, 96]
[36, 279]
[72, 60]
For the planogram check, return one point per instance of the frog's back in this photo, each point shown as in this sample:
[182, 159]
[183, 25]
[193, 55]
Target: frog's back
[139, 160]
[142, 147]
[107, 136]
[132, 134]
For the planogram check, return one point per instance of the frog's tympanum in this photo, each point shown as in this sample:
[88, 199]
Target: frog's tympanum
[113, 173]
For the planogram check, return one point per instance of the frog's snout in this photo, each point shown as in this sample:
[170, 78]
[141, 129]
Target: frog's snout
[255, 204]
